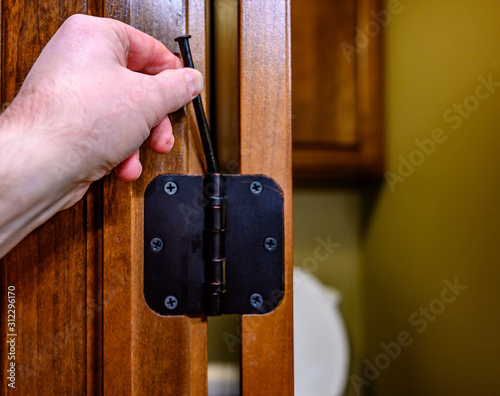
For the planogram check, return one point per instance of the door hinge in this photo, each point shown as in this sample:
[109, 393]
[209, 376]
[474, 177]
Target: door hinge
[213, 245]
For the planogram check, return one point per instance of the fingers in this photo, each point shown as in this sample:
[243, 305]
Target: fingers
[161, 139]
[154, 85]
[144, 53]
[134, 49]
[130, 169]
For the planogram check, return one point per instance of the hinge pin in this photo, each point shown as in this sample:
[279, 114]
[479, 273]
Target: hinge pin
[215, 252]
[201, 119]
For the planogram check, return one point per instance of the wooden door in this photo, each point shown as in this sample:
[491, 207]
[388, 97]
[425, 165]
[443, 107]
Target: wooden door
[82, 324]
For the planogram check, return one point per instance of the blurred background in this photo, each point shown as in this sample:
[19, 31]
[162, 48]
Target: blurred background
[401, 240]
[396, 161]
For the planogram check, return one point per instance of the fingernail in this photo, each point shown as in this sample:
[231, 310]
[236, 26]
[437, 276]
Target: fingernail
[194, 81]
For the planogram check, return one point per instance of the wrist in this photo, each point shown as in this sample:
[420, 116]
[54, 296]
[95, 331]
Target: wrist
[31, 192]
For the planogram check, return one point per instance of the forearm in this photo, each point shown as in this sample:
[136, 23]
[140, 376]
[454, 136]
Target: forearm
[23, 218]
[30, 190]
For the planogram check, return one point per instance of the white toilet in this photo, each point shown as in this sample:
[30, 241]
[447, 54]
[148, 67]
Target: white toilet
[321, 350]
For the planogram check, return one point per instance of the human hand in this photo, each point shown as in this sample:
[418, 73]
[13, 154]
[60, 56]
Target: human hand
[91, 99]
[97, 90]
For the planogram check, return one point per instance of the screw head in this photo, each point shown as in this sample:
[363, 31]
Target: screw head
[270, 244]
[171, 302]
[256, 300]
[256, 187]
[170, 187]
[156, 245]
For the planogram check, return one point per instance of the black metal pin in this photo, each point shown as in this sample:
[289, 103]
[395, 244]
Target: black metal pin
[198, 108]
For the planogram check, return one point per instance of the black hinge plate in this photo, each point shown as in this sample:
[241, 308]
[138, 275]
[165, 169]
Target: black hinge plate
[174, 267]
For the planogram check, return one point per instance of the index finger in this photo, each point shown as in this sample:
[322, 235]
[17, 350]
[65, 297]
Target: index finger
[144, 53]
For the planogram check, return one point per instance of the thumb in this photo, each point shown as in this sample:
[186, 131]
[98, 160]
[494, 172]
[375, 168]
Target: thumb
[194, 81]
[179, 87]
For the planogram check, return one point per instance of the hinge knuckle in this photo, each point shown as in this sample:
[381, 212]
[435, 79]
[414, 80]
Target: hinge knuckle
[215, 245]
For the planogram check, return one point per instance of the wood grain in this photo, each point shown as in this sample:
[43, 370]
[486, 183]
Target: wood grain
[143, 352]
[84, 326]
[265, 125]
[94, 298]
[337, 93]
[55, 269]
[324, 101]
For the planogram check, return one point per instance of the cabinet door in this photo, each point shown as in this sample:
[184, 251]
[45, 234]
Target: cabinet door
[82, 324]
[265, 144]
[142, 352]
[337, 87]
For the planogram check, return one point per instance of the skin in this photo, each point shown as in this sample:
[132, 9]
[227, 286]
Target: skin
[97, 92]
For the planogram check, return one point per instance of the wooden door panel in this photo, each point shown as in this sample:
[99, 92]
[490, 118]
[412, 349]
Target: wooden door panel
[82, 321]
[265, 136]
[337, 88]
[83, 324]
[143, 352]
[53, 269]
[321, 74]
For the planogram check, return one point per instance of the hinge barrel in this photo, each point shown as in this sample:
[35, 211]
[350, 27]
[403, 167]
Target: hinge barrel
[215, 244]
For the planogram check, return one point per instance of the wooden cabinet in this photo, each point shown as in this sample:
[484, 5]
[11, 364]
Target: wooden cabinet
[83, 325]
[337, 87]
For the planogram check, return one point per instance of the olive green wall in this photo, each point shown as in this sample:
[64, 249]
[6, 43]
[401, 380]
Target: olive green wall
[323, 216]
[436, 221]
[419, 260]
